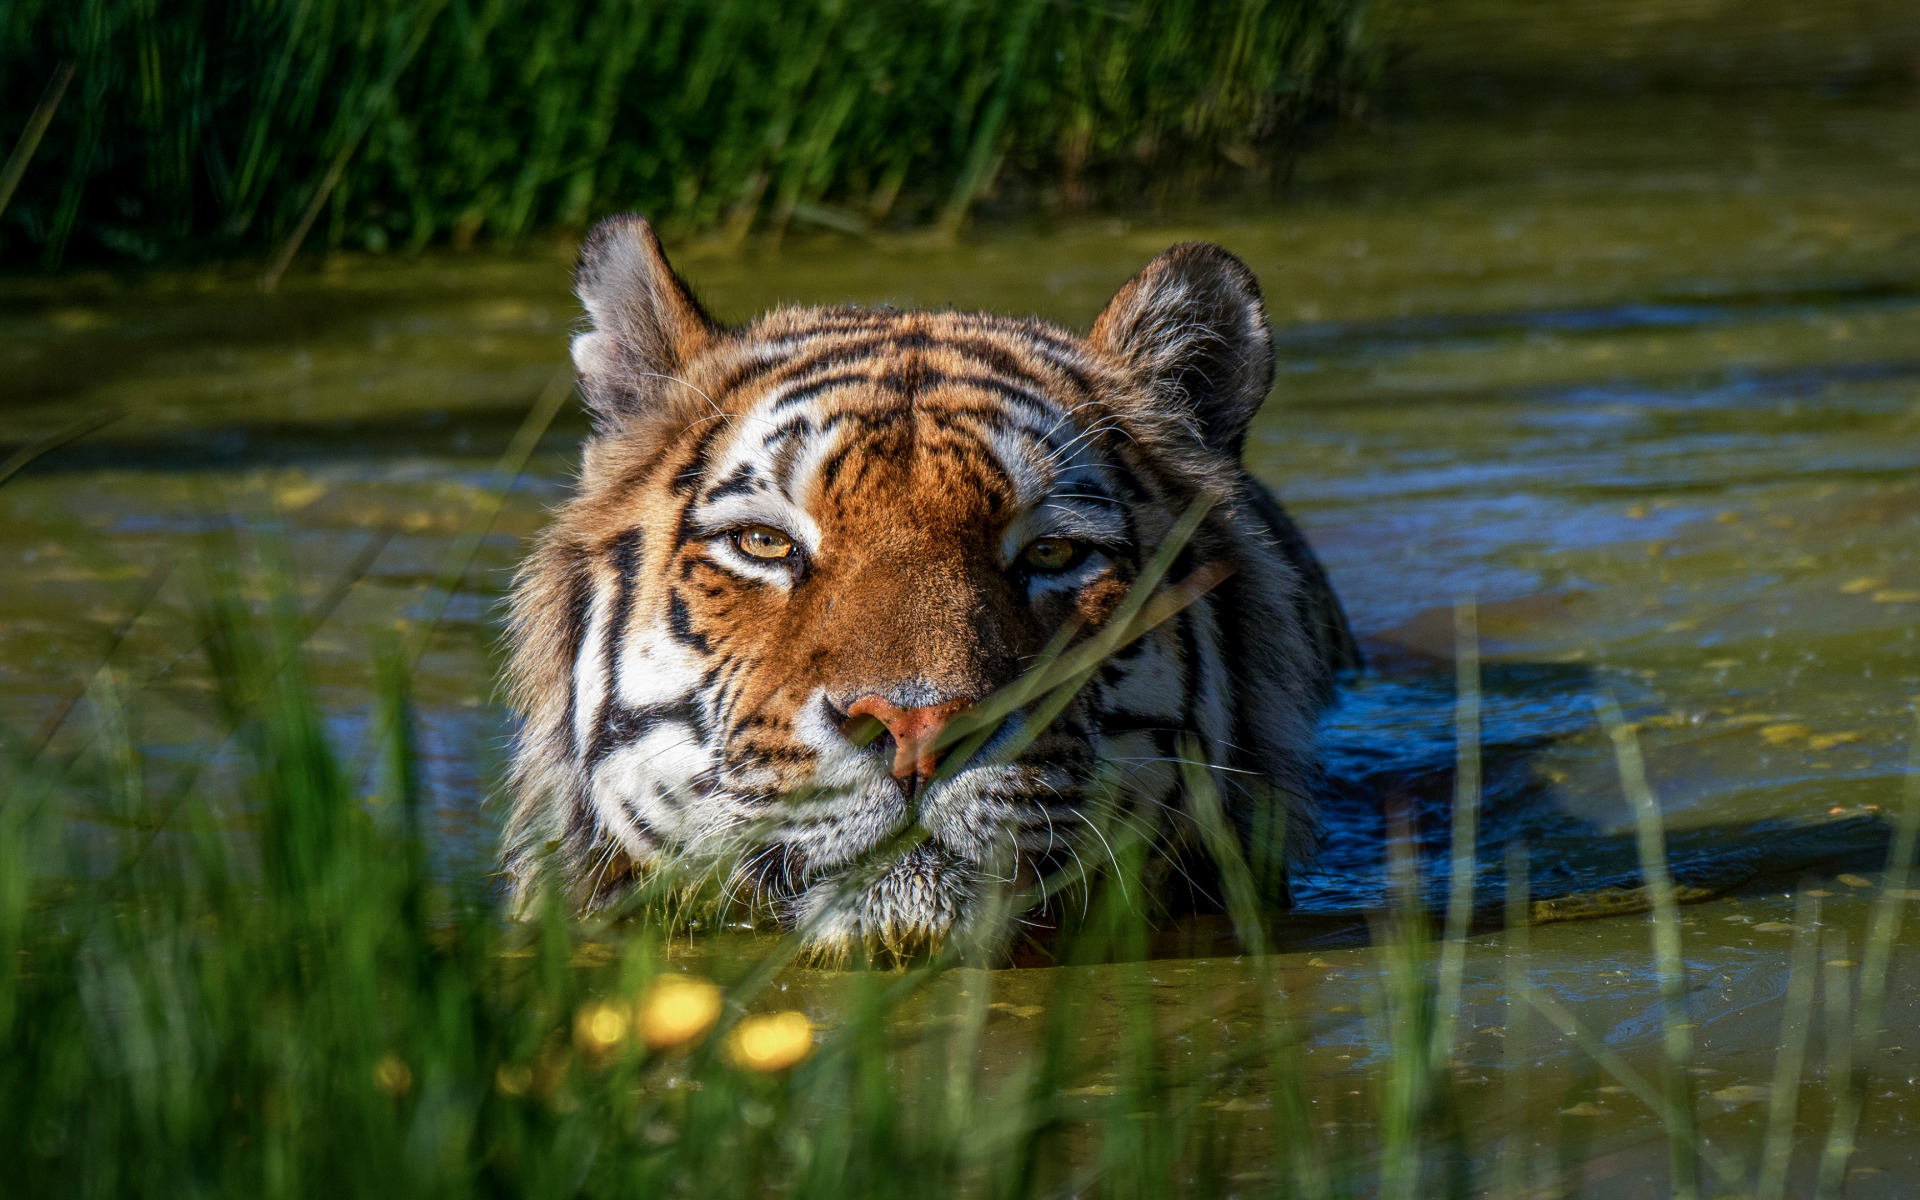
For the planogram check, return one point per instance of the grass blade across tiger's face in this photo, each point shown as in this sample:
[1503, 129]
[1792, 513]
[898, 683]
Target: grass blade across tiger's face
[802, 547]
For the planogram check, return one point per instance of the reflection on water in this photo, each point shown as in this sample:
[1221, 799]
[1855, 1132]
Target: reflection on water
[1632, 361]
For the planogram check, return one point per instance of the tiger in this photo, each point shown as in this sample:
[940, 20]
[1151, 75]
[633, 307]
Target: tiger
[831, 523]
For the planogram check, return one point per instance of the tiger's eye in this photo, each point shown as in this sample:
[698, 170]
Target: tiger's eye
[763, 541]
[1050, 554]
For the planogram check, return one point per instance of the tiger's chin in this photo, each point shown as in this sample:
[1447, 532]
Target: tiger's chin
[984, 839]
[924, 898]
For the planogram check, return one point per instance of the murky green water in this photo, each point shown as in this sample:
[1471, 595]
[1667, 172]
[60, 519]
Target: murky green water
[1628, 349]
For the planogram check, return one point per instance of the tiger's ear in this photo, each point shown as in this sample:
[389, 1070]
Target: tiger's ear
[646, 323]
[1192, 326]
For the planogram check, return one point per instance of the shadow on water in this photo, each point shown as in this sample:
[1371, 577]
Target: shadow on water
[1390, 761]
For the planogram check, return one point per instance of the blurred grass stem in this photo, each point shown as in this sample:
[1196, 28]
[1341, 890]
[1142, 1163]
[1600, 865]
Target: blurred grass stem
[29, 140]
[1795, 1023]
[1677, 1029]
[1466, 818]
[1882, 930]
[1518, 1143]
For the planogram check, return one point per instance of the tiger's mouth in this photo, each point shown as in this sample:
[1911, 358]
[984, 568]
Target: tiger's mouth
[890, 868]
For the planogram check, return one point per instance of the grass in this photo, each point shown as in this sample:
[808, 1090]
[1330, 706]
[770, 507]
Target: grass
[275, 996]
[244, 974]
[200, 128]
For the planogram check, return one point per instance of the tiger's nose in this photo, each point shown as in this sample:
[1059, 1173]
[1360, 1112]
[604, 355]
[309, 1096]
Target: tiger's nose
[914, 730]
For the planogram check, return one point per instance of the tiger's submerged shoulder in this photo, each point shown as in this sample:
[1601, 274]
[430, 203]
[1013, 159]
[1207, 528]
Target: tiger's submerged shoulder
[802, 551]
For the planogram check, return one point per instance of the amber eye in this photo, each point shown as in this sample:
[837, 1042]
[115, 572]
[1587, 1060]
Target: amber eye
[1051, 554]
[763, 541]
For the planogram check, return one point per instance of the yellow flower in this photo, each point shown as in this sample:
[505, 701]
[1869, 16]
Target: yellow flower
[598, 1028]
[391, 1076]
[678, 1009]
[773, 1042]
[513, 1080]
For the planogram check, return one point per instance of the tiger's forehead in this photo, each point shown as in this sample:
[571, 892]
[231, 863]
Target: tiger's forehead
[823, 407]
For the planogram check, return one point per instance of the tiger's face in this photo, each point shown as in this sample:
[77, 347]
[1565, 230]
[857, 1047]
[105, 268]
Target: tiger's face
[802, 547]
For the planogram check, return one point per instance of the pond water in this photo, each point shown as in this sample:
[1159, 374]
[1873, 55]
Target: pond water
[1624, 349]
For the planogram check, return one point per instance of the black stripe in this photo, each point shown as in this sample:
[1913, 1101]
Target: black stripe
[905, 381]
[688, 481]
[1121, 721]
[753, 752]
[876, 338]
[1011, 393]
[1060, 351]
[742, 479]
[834, 322]
[680, 622]
[713, 686]
[795, 428]
[830, 470]
[767, 364]
[951, 417]
[884, 343]
[624, 726]
[818, 386]
[624, 553]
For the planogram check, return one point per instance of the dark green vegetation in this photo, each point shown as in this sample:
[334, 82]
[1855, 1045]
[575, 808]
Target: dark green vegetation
[198, 127]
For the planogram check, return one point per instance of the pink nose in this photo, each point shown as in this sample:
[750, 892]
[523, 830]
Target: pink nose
[914, 731]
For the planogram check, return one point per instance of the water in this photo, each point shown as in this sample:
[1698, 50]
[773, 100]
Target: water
[1624, 348]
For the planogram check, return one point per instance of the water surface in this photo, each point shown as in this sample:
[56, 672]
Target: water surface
[1635, 365]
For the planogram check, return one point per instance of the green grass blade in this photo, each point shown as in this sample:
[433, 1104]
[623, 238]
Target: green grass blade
[1795, 1022]
[1466, 816]
[1517, 1146]
[30, 138]
[1882, 930]
[1658, 1099]
[1677, 1036]
[71, 431]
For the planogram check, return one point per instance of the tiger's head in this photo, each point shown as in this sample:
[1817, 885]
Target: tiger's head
[833, 523]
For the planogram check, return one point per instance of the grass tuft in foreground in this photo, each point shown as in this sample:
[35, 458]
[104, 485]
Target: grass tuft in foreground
[256, 984]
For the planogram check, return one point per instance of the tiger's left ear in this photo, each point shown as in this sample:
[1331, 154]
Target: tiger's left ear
[1192, 326]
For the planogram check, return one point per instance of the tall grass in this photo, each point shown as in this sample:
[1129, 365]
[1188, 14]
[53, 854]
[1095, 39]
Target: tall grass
[198, 127]
[263, 988]
[273, 995]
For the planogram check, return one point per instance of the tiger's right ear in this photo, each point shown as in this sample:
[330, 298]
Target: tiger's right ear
[646, 323]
